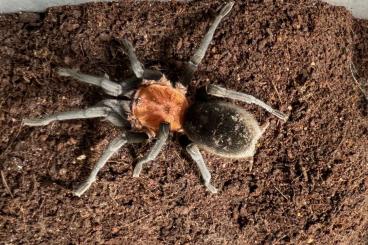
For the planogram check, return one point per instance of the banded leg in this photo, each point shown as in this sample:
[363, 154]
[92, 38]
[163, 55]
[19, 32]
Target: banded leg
[199, 54]
[196, 155]
[91, 112]
[112, 148]
[163, 134]
[218, 91]
[109, 87]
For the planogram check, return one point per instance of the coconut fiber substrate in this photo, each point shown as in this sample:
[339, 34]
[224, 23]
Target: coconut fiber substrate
[308, 183]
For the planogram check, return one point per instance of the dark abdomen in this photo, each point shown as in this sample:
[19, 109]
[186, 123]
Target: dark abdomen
[222, 128]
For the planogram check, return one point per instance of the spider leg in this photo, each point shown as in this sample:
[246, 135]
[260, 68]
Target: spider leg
[199, 54]
[149, 74]
[91, 112]
[137, 66]
[120, 110]
[163, 134]
[110, 87]
[196, 155]
[218, 91]
[112, 148]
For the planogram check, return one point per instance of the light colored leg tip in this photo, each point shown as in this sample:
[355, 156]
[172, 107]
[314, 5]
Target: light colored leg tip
[82, 188]
[211, 189]
[78, 193]
[27, 122]
[137, 170]
[65, 72]
[280, 115]
[34, 122]
[227, 8]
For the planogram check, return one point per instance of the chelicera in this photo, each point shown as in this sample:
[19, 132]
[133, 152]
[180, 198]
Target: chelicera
[150, 107]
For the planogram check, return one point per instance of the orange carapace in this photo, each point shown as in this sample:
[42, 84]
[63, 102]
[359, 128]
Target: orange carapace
[156, 102]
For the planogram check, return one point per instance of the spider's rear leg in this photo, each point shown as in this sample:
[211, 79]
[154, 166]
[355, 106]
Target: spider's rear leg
[112, 148]
[219, 91]
[196, 155]
[199, 54]
[108, 109]
[162, 136]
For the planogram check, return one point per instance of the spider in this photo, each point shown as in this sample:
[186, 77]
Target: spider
[150, 107]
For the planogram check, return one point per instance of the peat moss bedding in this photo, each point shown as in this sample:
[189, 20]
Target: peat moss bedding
[308, 183]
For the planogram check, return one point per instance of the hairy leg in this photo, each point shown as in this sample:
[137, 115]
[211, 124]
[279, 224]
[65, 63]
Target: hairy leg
[111, 149]
[196, 155]
[137, 66]
[199, 54]
[218, 91]
[120, 111]
[109, 87]
[162, 136]
[107, 109]
[91, 112]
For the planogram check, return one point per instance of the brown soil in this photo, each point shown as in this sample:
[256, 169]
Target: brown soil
[309, 180]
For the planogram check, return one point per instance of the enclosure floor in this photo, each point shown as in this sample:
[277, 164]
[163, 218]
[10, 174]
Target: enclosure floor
[308, 184]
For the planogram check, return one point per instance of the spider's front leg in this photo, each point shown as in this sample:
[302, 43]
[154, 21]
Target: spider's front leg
[116, 88]
[137, 67]
[110, 87]
[109, 109]
[199, 54]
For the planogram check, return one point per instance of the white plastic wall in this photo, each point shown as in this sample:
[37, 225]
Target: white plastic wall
[11, 6]
[359, 8]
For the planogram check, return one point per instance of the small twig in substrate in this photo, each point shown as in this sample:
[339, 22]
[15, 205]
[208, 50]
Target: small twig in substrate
[6, 183]
[282, 194]
[359, 84]
[3, 154]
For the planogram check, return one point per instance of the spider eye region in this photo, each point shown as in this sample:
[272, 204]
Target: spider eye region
[222, 128]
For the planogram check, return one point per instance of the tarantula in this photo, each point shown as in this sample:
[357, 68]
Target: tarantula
[150, 106]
